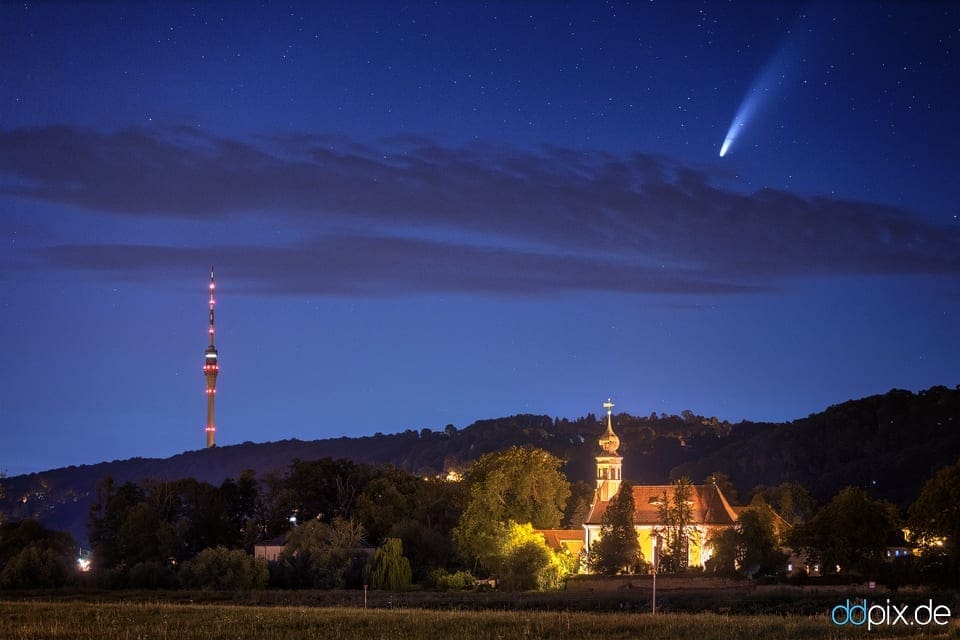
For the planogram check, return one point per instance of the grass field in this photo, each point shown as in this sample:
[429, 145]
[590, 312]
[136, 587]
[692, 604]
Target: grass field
[141, 621]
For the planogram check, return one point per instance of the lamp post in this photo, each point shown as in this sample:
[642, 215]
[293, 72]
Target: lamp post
[656, 567]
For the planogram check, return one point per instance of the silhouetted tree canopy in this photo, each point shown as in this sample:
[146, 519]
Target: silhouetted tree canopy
[34, 557]
[851, 532]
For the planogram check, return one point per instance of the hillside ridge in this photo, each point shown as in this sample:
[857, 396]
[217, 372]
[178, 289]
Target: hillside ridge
[888, 443]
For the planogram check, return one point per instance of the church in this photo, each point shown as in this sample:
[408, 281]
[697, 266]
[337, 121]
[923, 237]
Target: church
[710, 509]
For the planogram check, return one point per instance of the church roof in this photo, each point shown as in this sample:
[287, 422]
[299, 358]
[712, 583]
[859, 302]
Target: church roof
[709, 506]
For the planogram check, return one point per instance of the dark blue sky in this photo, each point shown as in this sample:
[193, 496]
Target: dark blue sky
[426, 214]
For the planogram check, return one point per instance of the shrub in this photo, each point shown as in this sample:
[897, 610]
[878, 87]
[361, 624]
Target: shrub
[459, 581]
[151, 575]
[34, 568]
[225, 569]
[527, 563]
[32, 556]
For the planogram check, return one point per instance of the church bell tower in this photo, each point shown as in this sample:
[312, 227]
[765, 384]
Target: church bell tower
[608, 462]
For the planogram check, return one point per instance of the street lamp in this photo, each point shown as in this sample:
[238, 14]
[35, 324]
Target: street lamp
[656, 567]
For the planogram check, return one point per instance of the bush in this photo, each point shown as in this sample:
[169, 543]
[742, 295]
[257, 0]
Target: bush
[224, 569]
[34, 557]
[108, 578]
[526, 562]
[445, 581]
[292, 572]
[33, 568]
[151, 575]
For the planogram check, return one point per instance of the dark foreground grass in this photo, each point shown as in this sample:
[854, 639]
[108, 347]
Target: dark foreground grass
[148, 621]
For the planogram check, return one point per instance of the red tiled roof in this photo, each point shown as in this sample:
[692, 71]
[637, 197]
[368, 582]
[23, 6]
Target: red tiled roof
[555, 537]
[709, 505]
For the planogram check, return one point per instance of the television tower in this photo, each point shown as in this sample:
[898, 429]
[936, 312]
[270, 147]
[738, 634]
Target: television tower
[210, 369]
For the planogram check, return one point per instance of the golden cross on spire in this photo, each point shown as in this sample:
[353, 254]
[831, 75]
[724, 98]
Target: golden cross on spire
[608, 405]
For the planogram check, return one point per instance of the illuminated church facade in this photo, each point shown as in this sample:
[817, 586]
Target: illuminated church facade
[710, 510]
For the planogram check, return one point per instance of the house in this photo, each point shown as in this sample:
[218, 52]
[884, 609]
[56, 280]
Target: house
[270, 550]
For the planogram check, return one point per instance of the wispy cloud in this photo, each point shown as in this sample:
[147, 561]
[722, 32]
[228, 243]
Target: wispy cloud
[561, 219]
[383, 266]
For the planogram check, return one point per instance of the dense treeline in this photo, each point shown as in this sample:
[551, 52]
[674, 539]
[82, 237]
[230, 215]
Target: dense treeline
[342, 524]
[346, 524]
[882, 448]
[61, 497]
[343, 509]
[887, 444]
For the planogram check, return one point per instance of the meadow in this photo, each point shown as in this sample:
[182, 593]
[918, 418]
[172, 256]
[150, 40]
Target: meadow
[33, 620]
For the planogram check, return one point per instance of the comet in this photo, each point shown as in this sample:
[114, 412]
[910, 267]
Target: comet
[744, 114]
[760, 90]
[766, 83]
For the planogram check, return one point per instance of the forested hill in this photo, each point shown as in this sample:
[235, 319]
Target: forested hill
[891, 443]
[61, 497]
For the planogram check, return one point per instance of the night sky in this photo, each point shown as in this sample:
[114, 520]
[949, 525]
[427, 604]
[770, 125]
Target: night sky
[424, 214]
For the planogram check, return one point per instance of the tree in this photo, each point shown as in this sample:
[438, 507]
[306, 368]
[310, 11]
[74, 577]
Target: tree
[431, 510]
[851, 532]
[791, 500]
[325, 488]
[137, 539]
[426, 547]
[760, 539]
[934, 518]
[526, 482]
[244, 509]
[107, 515]
[390, 569]
[201, 515]
[322, 555]
[752, 546]
[727, 552]
[675, 513]
[521, 484]
[163, 522]
[617, 550]
[385, 501]
[578, 505]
